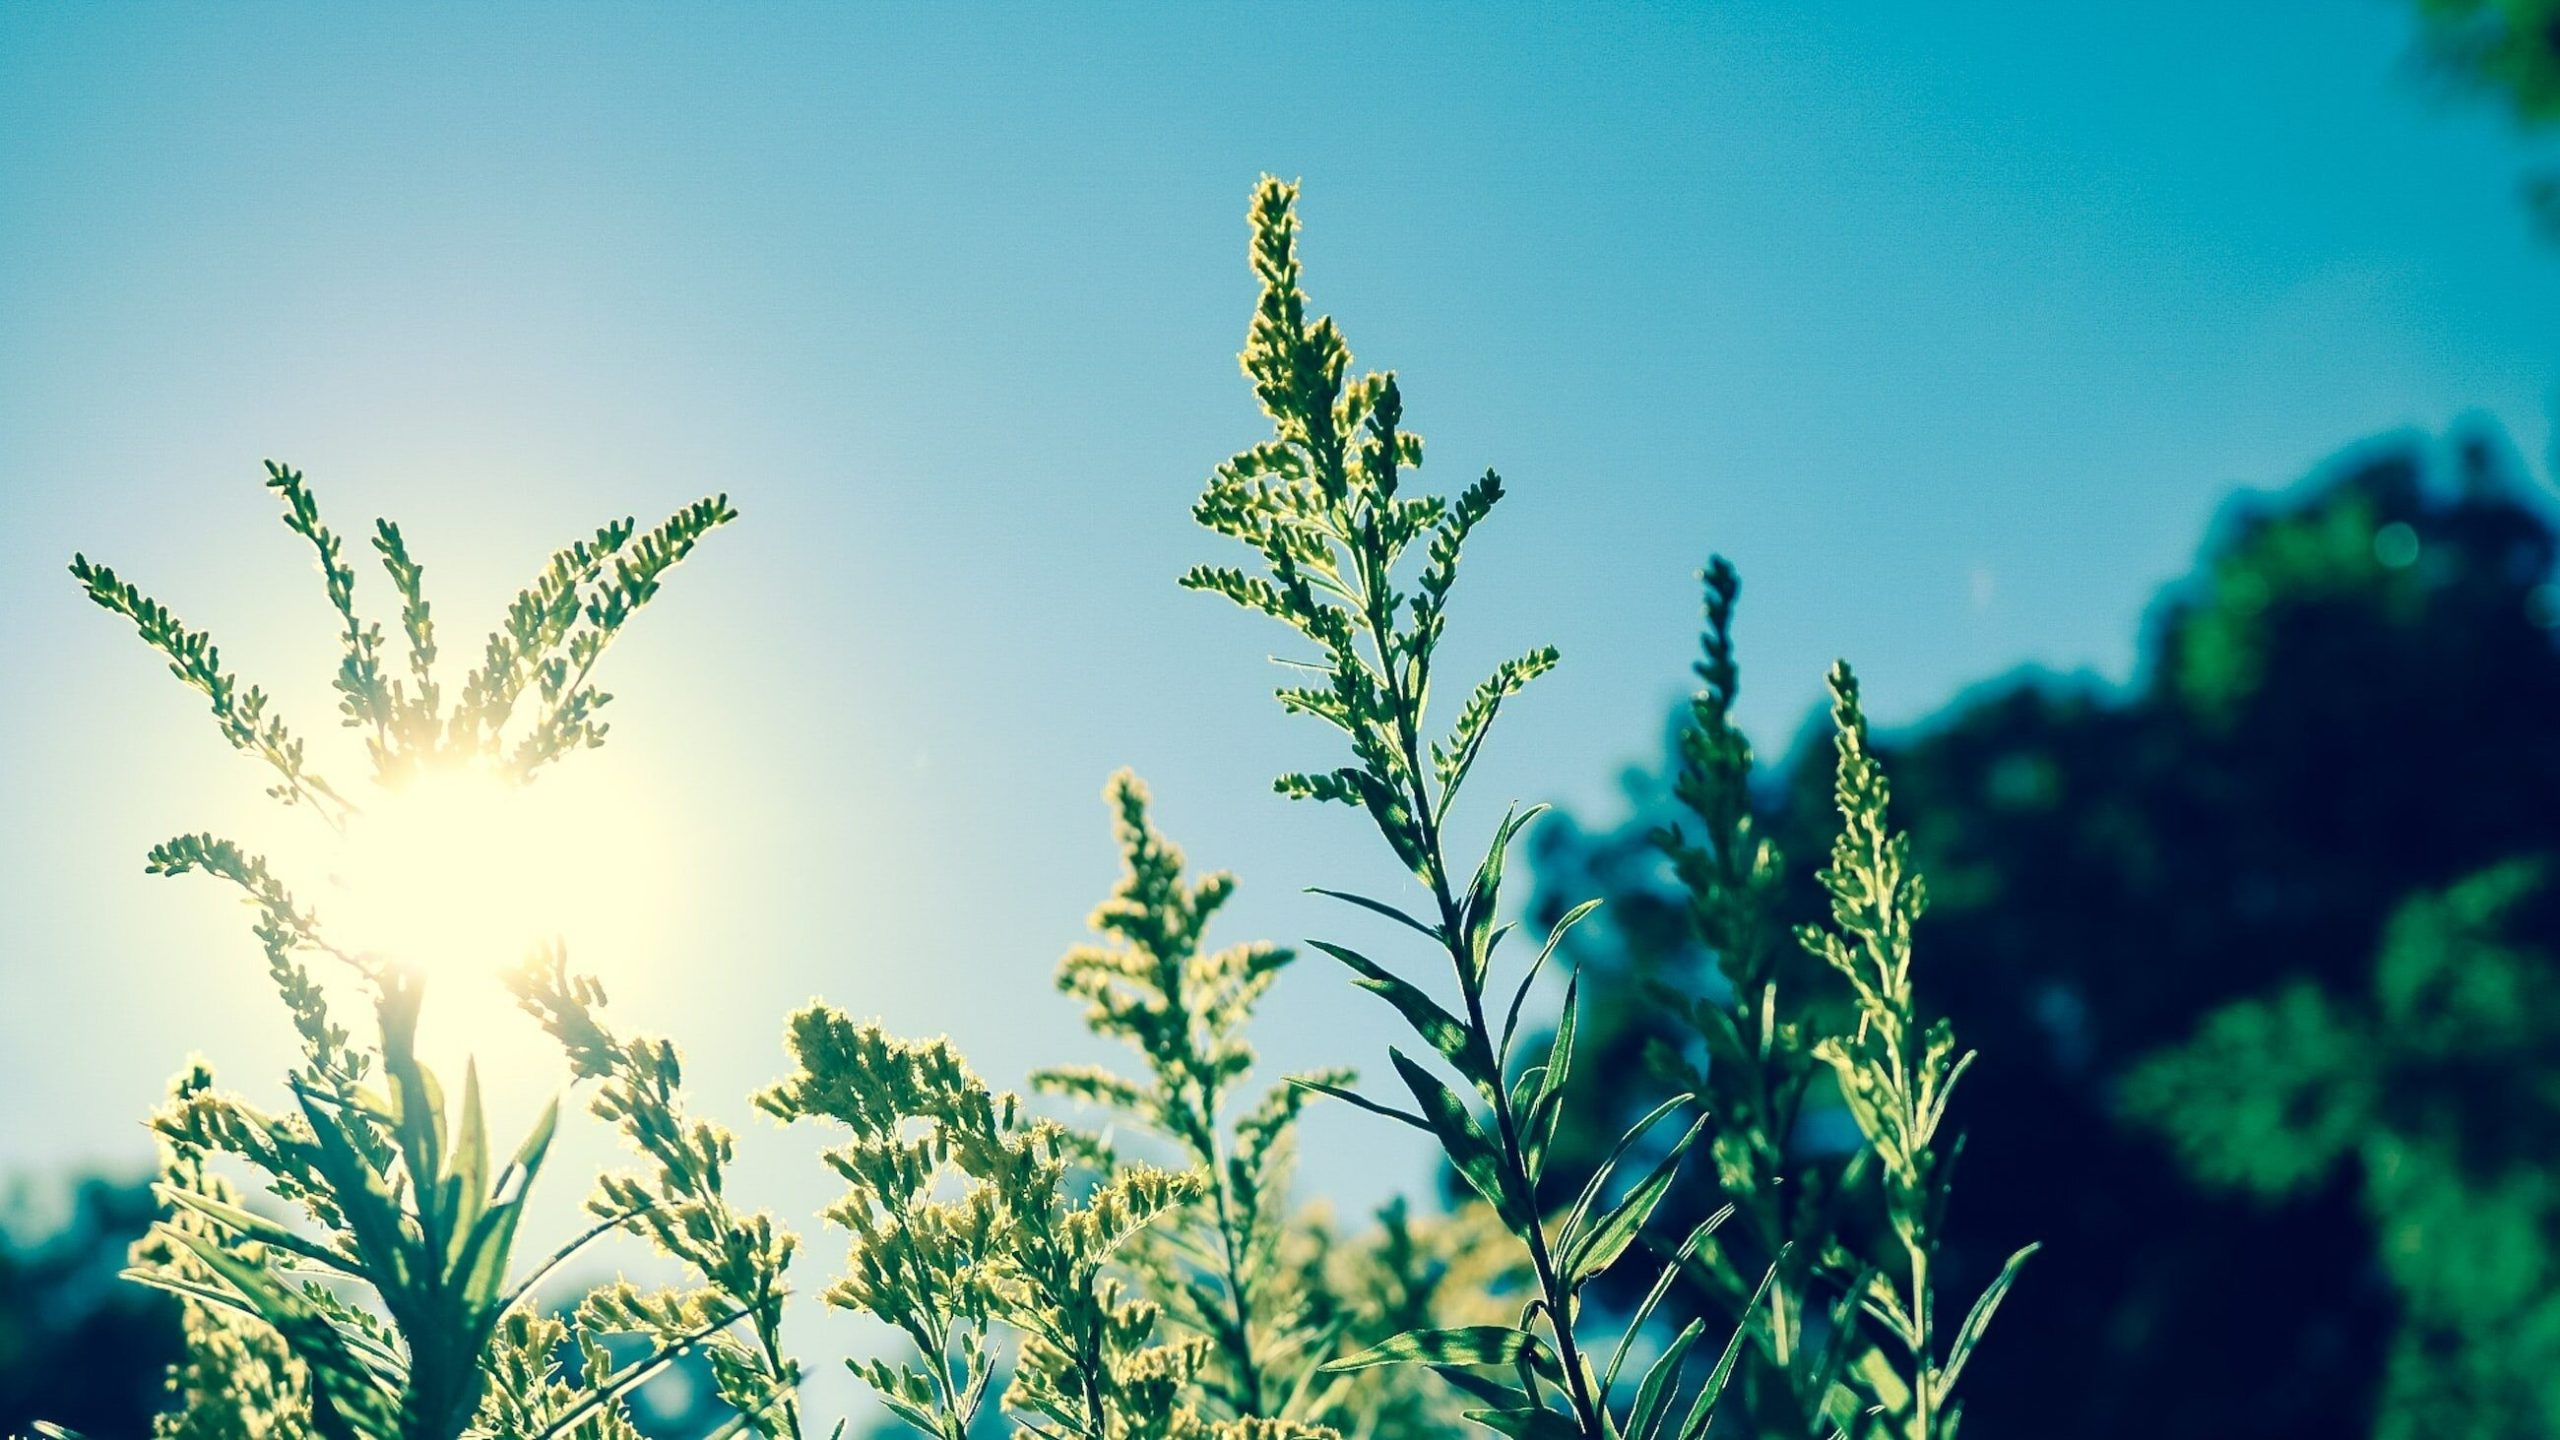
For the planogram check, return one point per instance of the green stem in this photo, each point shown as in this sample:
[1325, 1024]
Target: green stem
[1923, 1397]
[1239, 1337]
[1557, 1296]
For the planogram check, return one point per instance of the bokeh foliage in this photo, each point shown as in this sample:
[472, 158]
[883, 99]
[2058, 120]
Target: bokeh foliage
[2508, 50]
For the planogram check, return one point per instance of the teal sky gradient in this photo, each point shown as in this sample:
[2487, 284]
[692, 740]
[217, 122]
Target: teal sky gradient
[1951, 324]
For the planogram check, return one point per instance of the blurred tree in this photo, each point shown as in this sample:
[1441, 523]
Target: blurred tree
[2349, 704]
[78, 1345]
[2438, 1088]
[2509, 49]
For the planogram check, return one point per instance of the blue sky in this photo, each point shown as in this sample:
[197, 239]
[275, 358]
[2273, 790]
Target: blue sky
[1951, 324]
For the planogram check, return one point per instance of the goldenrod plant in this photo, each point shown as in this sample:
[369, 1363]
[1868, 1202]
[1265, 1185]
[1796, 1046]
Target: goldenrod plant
[1273, 1286]
[732, 1312]
[1897, 1075]
[1136, 1268]
[1220, 1267]
[376, 1318]
[1777, 1052]
[1323, 504]
[966, 1228]
[1760, 1077]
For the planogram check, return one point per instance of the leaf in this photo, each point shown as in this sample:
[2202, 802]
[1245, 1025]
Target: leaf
[1817, 1372]
[1461, 1137]
[1363, 1102]
[527, 1162]
[1463, 1047]
[468, 1182]
[259, 1228]
[1463, 1345]
[1528, 1422]
[1978, 1319]
[1492, 1392]
[1546, 1103]
[1661, 1382]
[1484, 895]
[1555, 937]
[1702, 1411]
[347, 1402]
[1661, 1287]
[1598, 1184]
[361, 1197]
[1605, 1241]
[1381, 907]
[1560, 1049]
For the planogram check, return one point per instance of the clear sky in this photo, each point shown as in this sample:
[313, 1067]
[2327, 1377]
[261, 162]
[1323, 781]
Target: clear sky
[1952, 324]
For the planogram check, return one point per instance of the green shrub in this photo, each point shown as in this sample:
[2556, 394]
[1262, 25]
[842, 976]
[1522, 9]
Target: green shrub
[1036, 1275]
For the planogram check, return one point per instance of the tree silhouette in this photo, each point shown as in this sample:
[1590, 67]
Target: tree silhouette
[78, 1345]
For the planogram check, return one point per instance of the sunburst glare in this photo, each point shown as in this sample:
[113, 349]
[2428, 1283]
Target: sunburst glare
[457, 874]
[447, 874]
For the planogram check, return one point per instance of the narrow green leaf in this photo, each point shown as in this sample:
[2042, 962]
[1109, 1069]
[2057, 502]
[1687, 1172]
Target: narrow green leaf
[362, 1197]
[1463, 1345]
[1588, 1201]
[1363, 1102]
[347, 1403]
[1555, 937]
[1528, 1422]
[1818, 1372]
[1492, 1392]
[1978, 1319]
[1484, 894]
[260, 1229]
[1602, 1244]
[1381, 907]
[1444, 1031]
[1462, 1138]
[1702, 1411]
[1660, 1383]
[527, 1162]
[1661, 1287]
[468, 1182]
[1560, 1050]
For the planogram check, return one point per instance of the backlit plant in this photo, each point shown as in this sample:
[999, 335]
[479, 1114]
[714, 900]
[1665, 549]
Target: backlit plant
[1155, 1280]
[1324, 506]
[385, 1315]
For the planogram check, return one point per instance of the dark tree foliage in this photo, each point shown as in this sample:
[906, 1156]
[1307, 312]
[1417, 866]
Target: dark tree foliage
[2508, 50]
[2351, 703]
[77, 1344]
[2434, 1087]
[2508, 47]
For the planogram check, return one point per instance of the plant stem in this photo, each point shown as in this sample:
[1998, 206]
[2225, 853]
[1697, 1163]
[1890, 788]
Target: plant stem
[1239, 1338]
[1557, 1296]
[1923, 1401]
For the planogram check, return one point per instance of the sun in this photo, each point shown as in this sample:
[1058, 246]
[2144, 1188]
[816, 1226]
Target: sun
[453, 874]
[459, 872]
